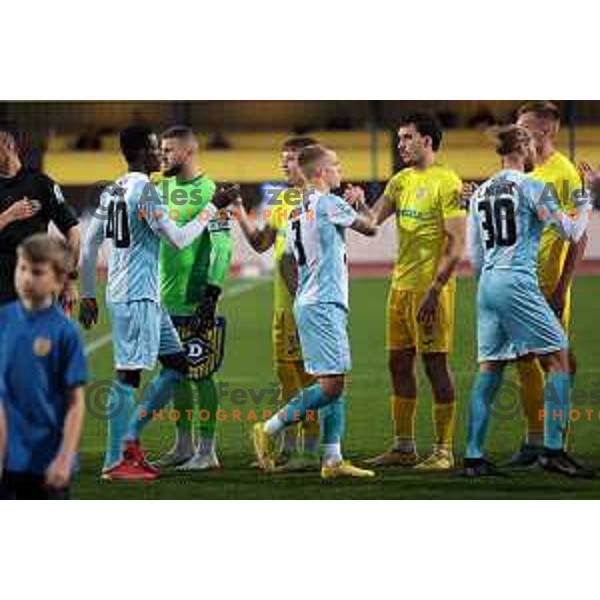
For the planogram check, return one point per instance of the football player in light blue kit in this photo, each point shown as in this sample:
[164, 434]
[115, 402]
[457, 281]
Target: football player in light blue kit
[507, 215]
[132, 215]
[315, 269]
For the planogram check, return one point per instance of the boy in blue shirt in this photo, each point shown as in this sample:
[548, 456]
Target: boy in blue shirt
[42, 373]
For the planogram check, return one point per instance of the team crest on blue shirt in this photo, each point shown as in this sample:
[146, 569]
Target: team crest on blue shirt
[42, 346]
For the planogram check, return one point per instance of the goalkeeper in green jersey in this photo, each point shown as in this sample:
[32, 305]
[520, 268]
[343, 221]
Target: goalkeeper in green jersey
[191, 283]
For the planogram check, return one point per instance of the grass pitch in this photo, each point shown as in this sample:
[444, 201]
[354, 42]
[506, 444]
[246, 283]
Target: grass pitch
[248, 366]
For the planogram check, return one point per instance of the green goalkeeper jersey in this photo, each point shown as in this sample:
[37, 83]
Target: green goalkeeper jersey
[185, 273]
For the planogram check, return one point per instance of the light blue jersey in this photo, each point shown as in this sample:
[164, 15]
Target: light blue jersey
[132, 216]
[507, 216]
[316, 235]
[133, 262]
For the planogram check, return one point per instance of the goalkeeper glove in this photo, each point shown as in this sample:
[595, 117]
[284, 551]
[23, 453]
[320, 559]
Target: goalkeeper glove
[225, 194]
[88, 312]
[204, 315]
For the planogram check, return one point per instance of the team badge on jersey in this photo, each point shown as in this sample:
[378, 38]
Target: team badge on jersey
[204, 349]
[420, 193]
[42, 346]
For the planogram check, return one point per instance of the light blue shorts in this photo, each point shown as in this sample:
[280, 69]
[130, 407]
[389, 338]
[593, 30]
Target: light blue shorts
[322, 329]
[142, 331]
[513, 317]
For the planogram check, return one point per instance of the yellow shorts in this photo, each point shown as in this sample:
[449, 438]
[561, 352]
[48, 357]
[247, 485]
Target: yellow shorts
[287, 353]
[286, 343]
[292, 378]
[402, 330]
[548, 290]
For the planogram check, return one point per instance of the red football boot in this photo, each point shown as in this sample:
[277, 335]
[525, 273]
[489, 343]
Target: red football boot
[134, 455]
[127, 471]
[133, 466]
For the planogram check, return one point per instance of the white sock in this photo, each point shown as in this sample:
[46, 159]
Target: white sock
[403, 445]
[184, 444]
[206, 446]
[274, 425]
[332, 454]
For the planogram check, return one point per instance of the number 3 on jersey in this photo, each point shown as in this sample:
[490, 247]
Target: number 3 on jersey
[117, 225]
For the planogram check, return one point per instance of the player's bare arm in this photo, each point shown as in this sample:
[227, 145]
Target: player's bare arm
[574, 256]
[59, 471]
[576, 250]
[289, 271]
[70, 294]
[88, 312]
[455, 235]
[365, 223]
[73, 238]
[261, 239]
[383, 209]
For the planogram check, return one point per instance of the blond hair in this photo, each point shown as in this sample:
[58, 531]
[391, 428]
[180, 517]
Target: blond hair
[310, 157]
[509, 139]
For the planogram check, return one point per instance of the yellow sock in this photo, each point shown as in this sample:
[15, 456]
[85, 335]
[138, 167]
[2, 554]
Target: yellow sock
[443, 424]
[404, 412]
[532, 390]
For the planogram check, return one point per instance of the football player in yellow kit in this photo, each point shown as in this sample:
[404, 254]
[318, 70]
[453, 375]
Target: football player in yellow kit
[425, 199]
[300, 450]
[557, 260]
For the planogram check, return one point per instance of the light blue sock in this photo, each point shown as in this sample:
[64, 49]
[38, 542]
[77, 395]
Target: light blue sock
[310, 398]
[483, 393]
[123, 396]
[332, 419]
[556, 407]
[158, 393]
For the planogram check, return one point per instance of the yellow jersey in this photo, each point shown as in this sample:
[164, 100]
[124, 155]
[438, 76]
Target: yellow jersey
[424, 199]
[562, 178]
[277, 220]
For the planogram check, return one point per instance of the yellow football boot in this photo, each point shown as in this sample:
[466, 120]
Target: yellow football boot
[344, 469]
[437, 461]
[264, 447]
[394, 458]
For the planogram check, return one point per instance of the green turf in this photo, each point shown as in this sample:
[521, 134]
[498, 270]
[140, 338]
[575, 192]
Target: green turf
[248, 366]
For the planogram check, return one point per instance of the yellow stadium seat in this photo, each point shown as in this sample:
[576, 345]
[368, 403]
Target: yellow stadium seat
[255, 156]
